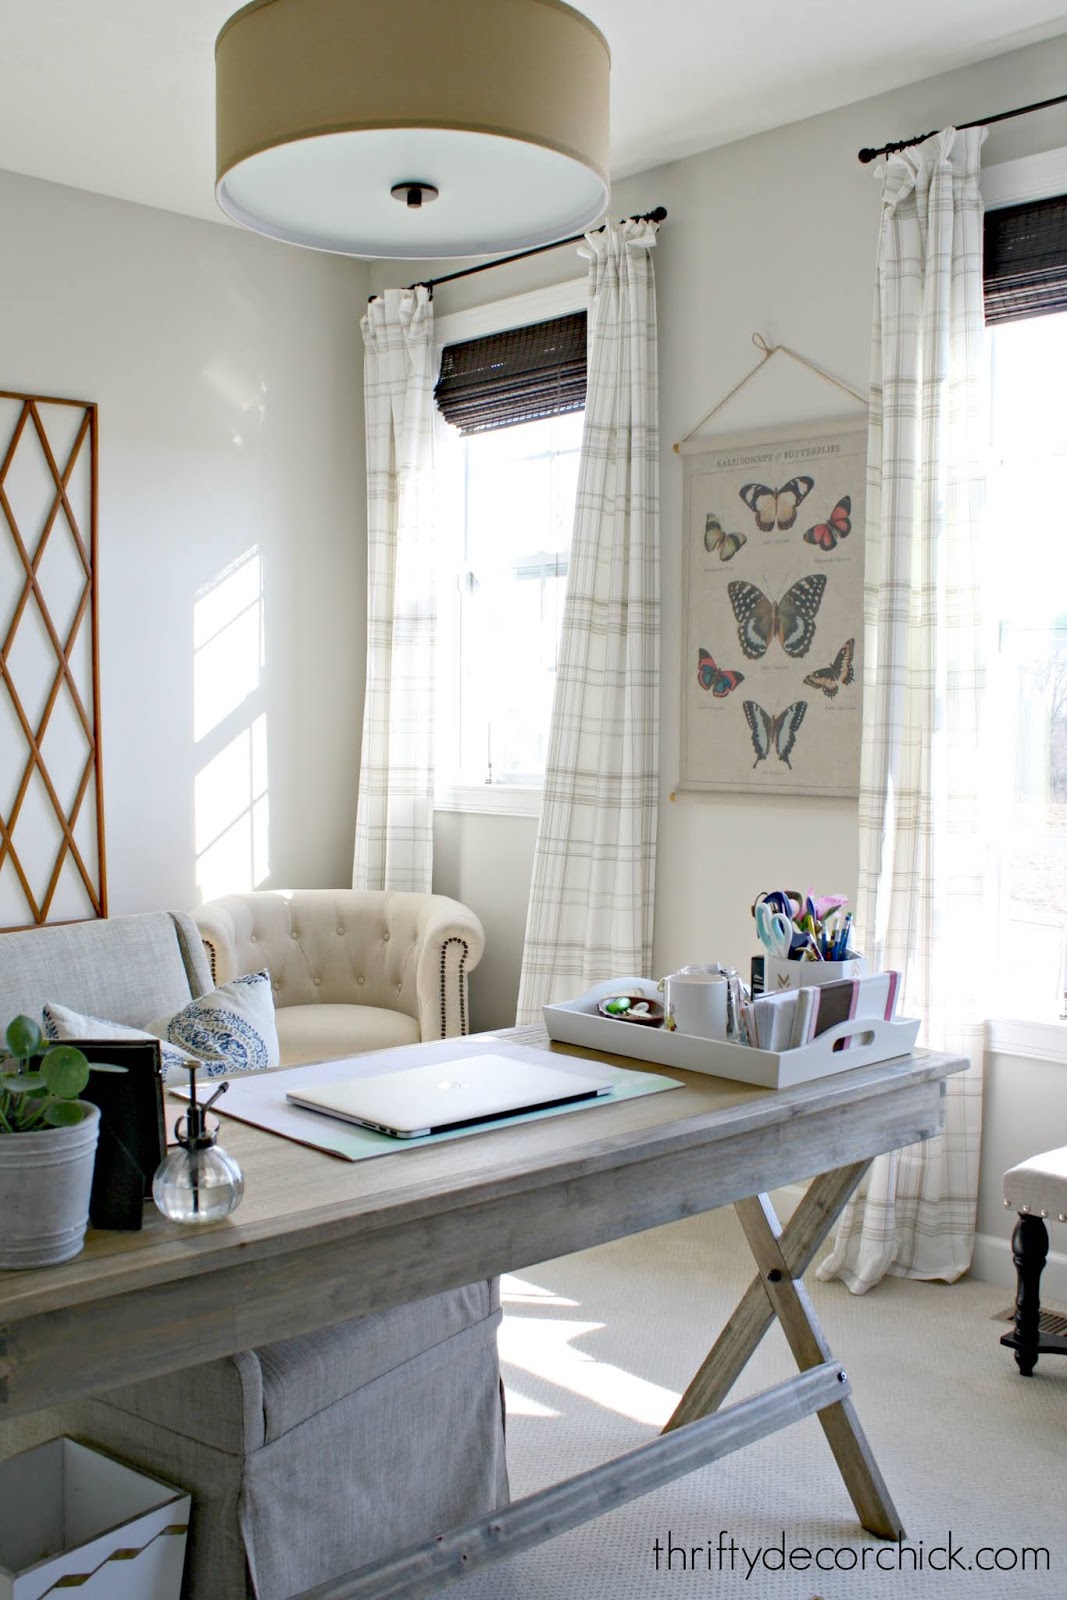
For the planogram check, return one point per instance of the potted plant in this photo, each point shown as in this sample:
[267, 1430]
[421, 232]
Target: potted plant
[47, 1149]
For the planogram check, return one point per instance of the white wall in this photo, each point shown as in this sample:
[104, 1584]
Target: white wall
[190, 336]
[776, 234]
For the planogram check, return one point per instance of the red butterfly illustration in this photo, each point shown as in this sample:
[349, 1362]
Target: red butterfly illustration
[715, 678]
[838, 525]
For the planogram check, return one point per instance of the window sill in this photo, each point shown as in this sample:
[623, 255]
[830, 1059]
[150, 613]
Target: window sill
[489, 799]
[1035, 1041]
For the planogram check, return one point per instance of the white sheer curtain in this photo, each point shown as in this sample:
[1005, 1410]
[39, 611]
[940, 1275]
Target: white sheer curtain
[922, 905]
[591, 898]
[394, 816]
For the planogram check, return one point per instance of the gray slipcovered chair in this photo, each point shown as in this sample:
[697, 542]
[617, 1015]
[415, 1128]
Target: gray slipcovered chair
[351, 969]
[300, 1455]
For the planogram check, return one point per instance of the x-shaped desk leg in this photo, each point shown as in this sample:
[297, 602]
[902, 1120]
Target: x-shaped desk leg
[783, 1256]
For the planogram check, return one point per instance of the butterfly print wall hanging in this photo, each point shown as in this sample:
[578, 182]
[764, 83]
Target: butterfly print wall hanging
[772, 544]
[717, 539]
[790, 620]
[838, 525]
[838, 675]
[777, 733]
[770, 506]
[710, 676]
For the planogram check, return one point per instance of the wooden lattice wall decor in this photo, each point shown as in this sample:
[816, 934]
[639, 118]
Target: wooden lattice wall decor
[51, 798]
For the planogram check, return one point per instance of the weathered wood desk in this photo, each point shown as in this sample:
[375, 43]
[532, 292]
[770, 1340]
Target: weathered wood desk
[318, 1240]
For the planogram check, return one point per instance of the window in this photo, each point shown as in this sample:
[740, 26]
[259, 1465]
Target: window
[505, 494]
[1026, 560]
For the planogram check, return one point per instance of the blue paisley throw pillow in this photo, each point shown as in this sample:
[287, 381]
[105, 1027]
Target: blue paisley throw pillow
[232, 1029]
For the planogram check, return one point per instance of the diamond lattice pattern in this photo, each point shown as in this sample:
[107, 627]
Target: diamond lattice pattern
[51, 820]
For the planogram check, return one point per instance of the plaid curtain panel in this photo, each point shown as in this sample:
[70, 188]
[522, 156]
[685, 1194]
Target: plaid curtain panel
[923, 851]
[394, 814]
[591, 899]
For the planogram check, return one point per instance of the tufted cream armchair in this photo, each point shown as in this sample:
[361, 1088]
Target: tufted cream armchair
[352, 969]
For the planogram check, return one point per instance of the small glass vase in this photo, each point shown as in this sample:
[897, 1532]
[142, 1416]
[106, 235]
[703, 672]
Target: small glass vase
[199, 1181]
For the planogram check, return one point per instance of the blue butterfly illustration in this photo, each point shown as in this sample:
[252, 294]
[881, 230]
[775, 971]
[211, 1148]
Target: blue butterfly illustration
[777, 733]
[716, 678]
[790, 620]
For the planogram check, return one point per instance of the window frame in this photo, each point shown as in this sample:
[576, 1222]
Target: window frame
[495, 316]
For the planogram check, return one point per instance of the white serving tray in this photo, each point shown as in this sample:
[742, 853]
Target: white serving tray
[579, 1022]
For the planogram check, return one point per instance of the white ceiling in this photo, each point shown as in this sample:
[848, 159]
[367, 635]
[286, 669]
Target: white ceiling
[117, 96]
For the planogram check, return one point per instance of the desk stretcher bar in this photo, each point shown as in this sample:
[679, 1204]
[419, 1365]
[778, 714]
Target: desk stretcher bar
[525, 1523]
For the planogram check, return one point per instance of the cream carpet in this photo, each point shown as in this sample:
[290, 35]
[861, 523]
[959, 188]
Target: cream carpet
[598, 1346]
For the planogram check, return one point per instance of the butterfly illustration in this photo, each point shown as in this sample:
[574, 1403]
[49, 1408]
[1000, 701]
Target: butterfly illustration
[790, 619]
[836, 676]
[776, 505]
[715, 678]
[838, 525]
[716, 538]
[778, 733]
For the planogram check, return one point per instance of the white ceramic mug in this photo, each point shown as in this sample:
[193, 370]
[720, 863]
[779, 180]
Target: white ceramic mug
[696, 1002]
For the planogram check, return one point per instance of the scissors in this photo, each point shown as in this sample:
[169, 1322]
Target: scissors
[775, 931]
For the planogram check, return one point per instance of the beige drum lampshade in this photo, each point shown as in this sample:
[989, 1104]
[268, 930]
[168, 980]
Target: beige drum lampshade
[338, 119]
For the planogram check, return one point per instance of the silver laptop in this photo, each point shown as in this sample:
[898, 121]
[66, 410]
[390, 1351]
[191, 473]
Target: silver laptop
[414, 1101]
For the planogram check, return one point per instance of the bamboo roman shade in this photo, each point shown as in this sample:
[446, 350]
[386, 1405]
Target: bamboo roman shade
[1026, 260]
[520, 375]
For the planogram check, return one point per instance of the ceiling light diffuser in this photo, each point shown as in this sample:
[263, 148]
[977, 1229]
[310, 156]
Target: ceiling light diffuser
[487, 120]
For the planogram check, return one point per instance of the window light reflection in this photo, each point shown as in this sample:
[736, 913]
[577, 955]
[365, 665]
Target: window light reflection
[227, 642]
[544, 1348]
[230, 802]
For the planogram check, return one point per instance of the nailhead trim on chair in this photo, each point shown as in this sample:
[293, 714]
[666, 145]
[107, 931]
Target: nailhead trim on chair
[462, 986]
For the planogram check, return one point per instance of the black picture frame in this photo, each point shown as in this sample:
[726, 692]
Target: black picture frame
[132, 1131]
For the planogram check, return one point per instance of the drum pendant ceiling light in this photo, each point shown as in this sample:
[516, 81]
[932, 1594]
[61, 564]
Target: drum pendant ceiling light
[487, 120]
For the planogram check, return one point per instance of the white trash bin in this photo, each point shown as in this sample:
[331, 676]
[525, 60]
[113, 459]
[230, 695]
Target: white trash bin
[67, 1511]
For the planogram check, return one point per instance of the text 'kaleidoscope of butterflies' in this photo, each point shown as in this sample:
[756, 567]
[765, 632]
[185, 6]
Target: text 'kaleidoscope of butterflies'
[789, 621]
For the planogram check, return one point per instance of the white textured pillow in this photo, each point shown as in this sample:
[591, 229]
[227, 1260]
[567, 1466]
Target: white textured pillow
[59, 1022]
[232, 1029]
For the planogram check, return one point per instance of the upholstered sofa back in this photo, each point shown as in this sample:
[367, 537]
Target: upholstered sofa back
[401, 952]
[127, 969]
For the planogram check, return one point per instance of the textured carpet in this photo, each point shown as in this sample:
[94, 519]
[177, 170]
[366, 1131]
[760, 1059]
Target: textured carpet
[597, 1347]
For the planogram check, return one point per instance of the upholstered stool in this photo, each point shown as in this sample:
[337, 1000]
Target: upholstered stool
[1036, 1189]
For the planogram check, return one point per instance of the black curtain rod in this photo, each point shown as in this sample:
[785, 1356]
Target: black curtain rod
[981, 122]
[658, 214]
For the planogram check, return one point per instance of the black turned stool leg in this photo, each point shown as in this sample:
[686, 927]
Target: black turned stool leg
[1029, 1249]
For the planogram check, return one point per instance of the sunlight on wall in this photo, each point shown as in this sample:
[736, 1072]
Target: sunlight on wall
[230, 799]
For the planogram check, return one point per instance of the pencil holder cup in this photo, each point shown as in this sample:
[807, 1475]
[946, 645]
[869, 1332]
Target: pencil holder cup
[779, 975]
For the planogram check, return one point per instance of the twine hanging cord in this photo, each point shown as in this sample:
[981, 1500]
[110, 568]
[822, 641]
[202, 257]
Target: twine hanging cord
[767, 351]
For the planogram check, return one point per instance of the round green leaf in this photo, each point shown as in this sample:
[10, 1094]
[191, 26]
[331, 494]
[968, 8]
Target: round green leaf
[65, 1071]
[22, 1082]
[63, 1114]
[23, 1037]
